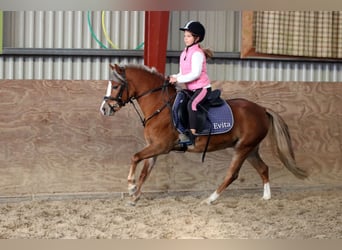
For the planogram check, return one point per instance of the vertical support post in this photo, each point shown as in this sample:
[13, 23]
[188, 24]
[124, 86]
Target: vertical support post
[156, 35]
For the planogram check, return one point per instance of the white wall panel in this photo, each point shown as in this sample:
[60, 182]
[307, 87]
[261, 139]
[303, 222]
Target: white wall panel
[90, 68]
[59, 68]
[259, 70]
[222, 29]
[70, 29]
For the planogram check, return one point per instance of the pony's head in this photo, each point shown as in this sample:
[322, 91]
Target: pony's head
[129, 83]
[117, 92]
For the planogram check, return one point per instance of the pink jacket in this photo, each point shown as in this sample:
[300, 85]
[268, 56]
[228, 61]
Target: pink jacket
[185, 65]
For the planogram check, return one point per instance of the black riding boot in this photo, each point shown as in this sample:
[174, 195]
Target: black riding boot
[191, 136]
[187, 138]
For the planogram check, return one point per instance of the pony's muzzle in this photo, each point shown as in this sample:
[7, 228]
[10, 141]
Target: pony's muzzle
[106, 109]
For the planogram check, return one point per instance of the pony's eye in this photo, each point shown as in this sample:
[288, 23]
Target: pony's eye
[115, 87]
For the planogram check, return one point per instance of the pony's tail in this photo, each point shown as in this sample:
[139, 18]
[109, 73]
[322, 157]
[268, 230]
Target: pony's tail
[282, 144]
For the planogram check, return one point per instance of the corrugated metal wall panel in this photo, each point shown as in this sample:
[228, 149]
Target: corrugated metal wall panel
[70, 29]
[258, 70]
[125, 29]
[68, 68]
[73, 68]
[224, 23]
[59, 68]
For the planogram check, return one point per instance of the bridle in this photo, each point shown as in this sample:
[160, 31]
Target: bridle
[119, 102]
[118, 99]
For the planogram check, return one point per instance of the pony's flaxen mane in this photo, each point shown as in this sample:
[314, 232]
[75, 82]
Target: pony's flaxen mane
[151, 70]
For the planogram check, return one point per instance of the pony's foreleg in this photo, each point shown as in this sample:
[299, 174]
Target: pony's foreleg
[145, 172]
[131, 176]
[131, 180]
[148, 165]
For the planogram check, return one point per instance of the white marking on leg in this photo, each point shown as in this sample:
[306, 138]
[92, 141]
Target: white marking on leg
[151, 162]
[131, 188]
[213, 197]
[131, 177]
[267, 191]
[131, 182]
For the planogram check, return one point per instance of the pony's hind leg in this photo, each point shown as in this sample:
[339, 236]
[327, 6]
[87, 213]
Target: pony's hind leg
[255, 160]
[233, 172]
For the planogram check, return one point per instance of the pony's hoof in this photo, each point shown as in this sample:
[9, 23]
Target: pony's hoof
[266, 197]
[134, 200]
[213, 197]
[132, 189]
[207, 202]
[131, 203]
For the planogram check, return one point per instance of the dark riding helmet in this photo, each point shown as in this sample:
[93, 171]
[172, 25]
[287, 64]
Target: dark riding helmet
[196, 28]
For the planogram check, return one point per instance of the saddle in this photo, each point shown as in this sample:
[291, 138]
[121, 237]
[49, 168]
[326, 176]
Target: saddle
[214, 115]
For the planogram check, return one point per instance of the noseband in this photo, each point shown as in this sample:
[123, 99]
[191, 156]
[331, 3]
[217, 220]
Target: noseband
[124, 86]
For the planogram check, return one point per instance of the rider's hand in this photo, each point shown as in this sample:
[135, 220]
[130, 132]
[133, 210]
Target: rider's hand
[172, 80]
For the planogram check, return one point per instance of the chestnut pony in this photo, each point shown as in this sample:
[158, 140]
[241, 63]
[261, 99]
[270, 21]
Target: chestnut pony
[155, 96]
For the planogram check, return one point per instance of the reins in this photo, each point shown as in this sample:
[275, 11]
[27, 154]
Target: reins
[167, 103]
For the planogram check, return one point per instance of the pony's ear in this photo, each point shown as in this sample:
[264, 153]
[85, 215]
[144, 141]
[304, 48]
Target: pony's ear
[118, 69]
